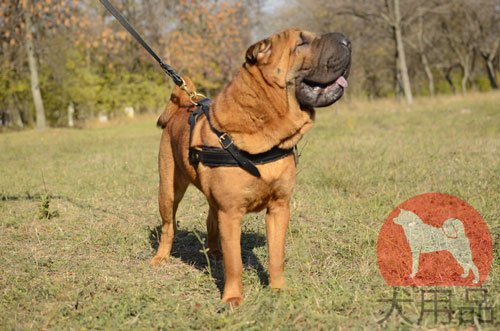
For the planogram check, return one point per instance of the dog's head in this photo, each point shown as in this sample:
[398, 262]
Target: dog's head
[313, 68]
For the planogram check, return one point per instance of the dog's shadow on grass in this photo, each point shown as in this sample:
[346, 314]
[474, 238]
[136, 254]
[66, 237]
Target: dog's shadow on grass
[188, 248]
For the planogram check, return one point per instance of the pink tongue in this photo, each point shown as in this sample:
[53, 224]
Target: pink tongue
[342, 82]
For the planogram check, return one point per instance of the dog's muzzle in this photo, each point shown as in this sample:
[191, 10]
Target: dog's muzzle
[325, 82]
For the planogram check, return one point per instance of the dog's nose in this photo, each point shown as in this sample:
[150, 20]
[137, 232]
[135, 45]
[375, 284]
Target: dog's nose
[337, 38]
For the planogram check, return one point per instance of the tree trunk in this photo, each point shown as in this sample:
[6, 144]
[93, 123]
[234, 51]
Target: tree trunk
[397, 83]
[401, 58]
[472, 71]
[28, 115]
[491, 72]
[71, 112]
[466, 74]
[16, 117]
[25, 110]
[491, 57]
[464, 82]
[428, 73]
[488, 57]
[423, 57]
[447, 75]
[35, 87]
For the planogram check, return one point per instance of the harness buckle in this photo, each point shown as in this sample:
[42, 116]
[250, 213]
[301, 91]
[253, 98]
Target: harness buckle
[225, 141]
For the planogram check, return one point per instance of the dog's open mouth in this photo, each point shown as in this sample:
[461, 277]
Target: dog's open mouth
[321, 88]
[314, 94]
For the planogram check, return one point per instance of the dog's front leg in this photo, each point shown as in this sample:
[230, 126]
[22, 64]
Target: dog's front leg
[277, 219]
[230, 235]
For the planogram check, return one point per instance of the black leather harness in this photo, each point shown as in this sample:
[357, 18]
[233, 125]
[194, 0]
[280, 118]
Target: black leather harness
[229, 155]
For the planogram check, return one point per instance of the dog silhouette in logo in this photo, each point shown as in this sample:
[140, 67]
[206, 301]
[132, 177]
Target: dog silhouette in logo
[424, 238]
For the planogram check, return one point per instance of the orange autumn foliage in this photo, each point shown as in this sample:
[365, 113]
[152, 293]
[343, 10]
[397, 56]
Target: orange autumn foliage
[209, 42]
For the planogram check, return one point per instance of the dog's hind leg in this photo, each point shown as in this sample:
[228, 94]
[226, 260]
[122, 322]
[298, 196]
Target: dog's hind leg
[169, 198]
[213, 235]
[173, 185]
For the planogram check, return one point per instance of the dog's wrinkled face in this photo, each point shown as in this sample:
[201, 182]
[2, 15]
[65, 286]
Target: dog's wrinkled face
[314, 68]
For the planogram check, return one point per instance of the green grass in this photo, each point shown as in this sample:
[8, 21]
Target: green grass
[87, 266]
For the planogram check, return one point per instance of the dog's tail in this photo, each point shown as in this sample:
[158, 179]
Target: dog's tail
[178, 99]
[453, 228]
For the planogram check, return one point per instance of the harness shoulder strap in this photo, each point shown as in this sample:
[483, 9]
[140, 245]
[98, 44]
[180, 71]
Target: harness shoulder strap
[192, 122]
[227, 143]
[224, 139]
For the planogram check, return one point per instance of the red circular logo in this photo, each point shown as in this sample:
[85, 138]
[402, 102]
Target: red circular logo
[434, 239]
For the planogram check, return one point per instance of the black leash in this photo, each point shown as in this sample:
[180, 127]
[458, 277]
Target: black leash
[168, 69]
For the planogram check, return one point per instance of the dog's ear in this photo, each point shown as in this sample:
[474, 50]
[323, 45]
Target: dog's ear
[259, 51]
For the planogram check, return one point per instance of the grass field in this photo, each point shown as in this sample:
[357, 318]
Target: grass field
[79, 222]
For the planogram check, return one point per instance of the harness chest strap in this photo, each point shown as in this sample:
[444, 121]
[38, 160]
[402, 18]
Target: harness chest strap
[229, 155]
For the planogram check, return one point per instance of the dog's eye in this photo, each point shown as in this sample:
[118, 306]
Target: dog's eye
[303, 40]
[301, 44]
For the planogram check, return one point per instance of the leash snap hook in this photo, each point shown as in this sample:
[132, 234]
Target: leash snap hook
[192, 94]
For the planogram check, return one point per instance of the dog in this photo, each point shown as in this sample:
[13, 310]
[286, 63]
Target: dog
[424, 238]
[269, 103]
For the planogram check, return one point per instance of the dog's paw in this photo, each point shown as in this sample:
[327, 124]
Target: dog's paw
[284, 289]
[475, 281]
[413, 275]
[233, 302]
[278, 285]
[158, 260]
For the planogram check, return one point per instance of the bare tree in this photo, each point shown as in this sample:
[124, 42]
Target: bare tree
[489, 55]
[35, 86]
[394, 19]
[390, 14]
[423, 55]
[488, 15]
[462, 35]
[423, 43]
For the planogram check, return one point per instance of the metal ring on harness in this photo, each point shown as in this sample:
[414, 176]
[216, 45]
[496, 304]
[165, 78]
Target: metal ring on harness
[192, 94]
